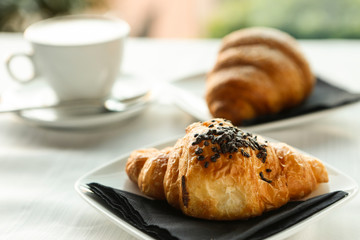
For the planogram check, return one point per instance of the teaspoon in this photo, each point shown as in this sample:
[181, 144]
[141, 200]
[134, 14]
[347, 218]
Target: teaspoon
[86, 107]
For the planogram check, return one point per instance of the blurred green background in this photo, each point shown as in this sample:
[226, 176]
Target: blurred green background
[301, 18]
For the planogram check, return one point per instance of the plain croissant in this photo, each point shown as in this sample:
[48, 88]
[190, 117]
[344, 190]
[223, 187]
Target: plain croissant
[217, 171]
[259, 71]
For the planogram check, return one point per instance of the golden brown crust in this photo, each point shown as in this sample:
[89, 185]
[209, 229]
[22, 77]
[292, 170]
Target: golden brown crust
[171, 179]
[275, 39]
[151, 176]
[136, 162]
[257, 60]
[219, 172]
[146, 168]
[300, 168]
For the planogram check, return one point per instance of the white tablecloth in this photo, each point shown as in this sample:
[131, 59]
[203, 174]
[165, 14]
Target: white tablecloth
[38, 166]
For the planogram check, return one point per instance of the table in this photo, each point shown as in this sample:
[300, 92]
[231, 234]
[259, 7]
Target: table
[38, 166]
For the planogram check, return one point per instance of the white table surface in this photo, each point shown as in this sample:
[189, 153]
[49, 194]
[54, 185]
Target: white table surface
[38, 166]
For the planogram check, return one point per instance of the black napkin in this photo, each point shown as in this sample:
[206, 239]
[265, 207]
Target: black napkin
[324, 96]
[159, 220]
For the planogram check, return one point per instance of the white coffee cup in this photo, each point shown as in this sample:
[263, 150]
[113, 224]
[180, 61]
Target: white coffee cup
[79, 55]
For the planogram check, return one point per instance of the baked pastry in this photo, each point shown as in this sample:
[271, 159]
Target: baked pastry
[147, 168]
[259, 71]
[219, 172]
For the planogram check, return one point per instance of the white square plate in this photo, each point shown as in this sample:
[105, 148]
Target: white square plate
[188, 93]
[113, 175]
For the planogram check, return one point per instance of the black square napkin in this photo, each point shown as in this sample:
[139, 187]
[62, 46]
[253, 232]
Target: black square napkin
[324, 96]
[159, 220]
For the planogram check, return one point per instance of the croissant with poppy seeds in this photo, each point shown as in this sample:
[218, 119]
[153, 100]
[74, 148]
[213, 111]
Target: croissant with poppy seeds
[259, 71]
[219, 172]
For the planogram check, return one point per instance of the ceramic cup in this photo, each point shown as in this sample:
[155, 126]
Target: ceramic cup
[79, 55]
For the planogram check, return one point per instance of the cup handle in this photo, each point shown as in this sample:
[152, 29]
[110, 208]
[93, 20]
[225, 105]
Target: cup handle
[13, 76]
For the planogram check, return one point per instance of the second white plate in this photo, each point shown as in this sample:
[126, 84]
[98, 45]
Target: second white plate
[188, 93]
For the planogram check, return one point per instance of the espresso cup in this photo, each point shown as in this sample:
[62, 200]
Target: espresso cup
[79, 55]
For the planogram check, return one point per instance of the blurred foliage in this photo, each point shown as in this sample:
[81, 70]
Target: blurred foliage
[300, 18]
[16, 15]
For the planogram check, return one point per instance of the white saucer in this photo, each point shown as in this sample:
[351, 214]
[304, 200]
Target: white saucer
[38, 92]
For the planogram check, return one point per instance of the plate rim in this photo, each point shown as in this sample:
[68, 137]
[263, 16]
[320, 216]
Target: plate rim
[81, 189]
